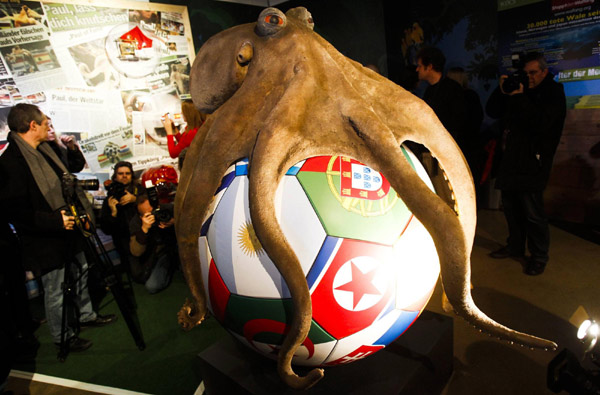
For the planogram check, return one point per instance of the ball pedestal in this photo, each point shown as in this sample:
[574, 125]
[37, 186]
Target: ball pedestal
[420, 361]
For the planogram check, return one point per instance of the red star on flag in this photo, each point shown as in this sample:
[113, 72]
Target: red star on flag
[361, 284]
[371, 292]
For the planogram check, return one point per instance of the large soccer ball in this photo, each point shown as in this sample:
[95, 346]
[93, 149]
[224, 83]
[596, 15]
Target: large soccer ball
[370, 265]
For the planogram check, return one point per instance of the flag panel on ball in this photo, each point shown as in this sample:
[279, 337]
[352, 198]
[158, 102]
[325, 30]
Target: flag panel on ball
[266, 321]
[370, 340]
[299, 222]
[308, 354]
[347, 204]
[232, 238]
[217, 293]
[356, 287]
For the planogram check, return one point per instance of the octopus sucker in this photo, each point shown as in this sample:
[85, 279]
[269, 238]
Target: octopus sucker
[278, 94]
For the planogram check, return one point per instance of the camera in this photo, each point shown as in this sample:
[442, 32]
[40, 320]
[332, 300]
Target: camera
[115, 189]
[163, 212]
[513, 81]
[70, 182]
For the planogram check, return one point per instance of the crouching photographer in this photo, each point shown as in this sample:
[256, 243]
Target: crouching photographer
[153, 244]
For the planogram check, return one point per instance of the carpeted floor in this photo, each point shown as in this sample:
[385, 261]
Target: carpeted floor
[167, 364]
[539, 305]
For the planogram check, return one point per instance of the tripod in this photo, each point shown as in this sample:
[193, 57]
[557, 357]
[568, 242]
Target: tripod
[103, 263]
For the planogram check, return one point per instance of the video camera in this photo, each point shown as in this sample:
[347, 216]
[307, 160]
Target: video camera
[95, 251]
[163, 212]
[70, 181]
[519, 76]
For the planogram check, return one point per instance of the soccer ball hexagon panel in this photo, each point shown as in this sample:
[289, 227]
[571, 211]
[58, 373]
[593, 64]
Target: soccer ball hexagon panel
[370, 265]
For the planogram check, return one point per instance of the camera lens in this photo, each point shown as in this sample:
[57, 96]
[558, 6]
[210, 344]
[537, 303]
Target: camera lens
[89, 185]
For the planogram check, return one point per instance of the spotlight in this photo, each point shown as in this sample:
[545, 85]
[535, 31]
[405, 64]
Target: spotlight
[565, 371]
[588, 334]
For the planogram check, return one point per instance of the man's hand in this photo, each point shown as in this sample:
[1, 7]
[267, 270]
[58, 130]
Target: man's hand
[127, 198]
[168, 224]
[147, 221]
[112, 204]
[517, 91]
[503, 77]
[68, 141]
[68, 220]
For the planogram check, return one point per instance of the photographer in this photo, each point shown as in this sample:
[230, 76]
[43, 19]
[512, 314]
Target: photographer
[533, 112]
[154, 245]
[119, 208]
[31, 194]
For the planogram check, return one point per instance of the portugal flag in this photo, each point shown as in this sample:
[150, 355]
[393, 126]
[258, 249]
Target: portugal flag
[360, 181]
[353, 200]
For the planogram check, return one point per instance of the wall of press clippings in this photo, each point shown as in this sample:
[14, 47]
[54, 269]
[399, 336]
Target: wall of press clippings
[103, 71]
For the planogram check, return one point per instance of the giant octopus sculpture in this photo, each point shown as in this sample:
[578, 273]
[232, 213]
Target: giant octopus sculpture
[279, 93]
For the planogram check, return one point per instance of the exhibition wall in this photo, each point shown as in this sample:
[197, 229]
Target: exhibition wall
[113, 106]
[104, 73]
[568, 32]
[481, 37]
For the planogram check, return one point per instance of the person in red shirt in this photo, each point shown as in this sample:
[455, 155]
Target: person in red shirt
[176, 141]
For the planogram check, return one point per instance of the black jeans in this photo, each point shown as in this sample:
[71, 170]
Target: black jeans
[527, 223]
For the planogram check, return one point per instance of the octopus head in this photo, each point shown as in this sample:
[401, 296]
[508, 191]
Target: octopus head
[224, 61]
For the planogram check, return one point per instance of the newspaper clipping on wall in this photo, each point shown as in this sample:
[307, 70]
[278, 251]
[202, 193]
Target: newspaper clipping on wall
[102, 74]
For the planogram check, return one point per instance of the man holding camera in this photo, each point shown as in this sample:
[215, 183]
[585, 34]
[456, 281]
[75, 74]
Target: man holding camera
[119, 208]
[533, 108]
[153, 243]
[31, 193]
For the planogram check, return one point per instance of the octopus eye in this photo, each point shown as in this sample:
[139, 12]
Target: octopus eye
[270, 21]
[274, 20]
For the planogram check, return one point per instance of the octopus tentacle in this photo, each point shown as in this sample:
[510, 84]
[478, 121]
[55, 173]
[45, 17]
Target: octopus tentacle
[452, 237]
[201, 175]
[187, 171]
[263, 175]
[275, 149]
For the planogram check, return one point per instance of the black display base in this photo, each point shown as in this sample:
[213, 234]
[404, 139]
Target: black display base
[419, 362]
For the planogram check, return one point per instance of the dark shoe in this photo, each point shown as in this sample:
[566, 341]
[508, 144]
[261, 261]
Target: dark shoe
[77, 344]
[100, 320]
[534, 268]
[502, 253]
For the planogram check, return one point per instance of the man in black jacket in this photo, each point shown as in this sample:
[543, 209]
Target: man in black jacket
[31, 194]
[444, 95]
[534, 117]
[119, 208]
